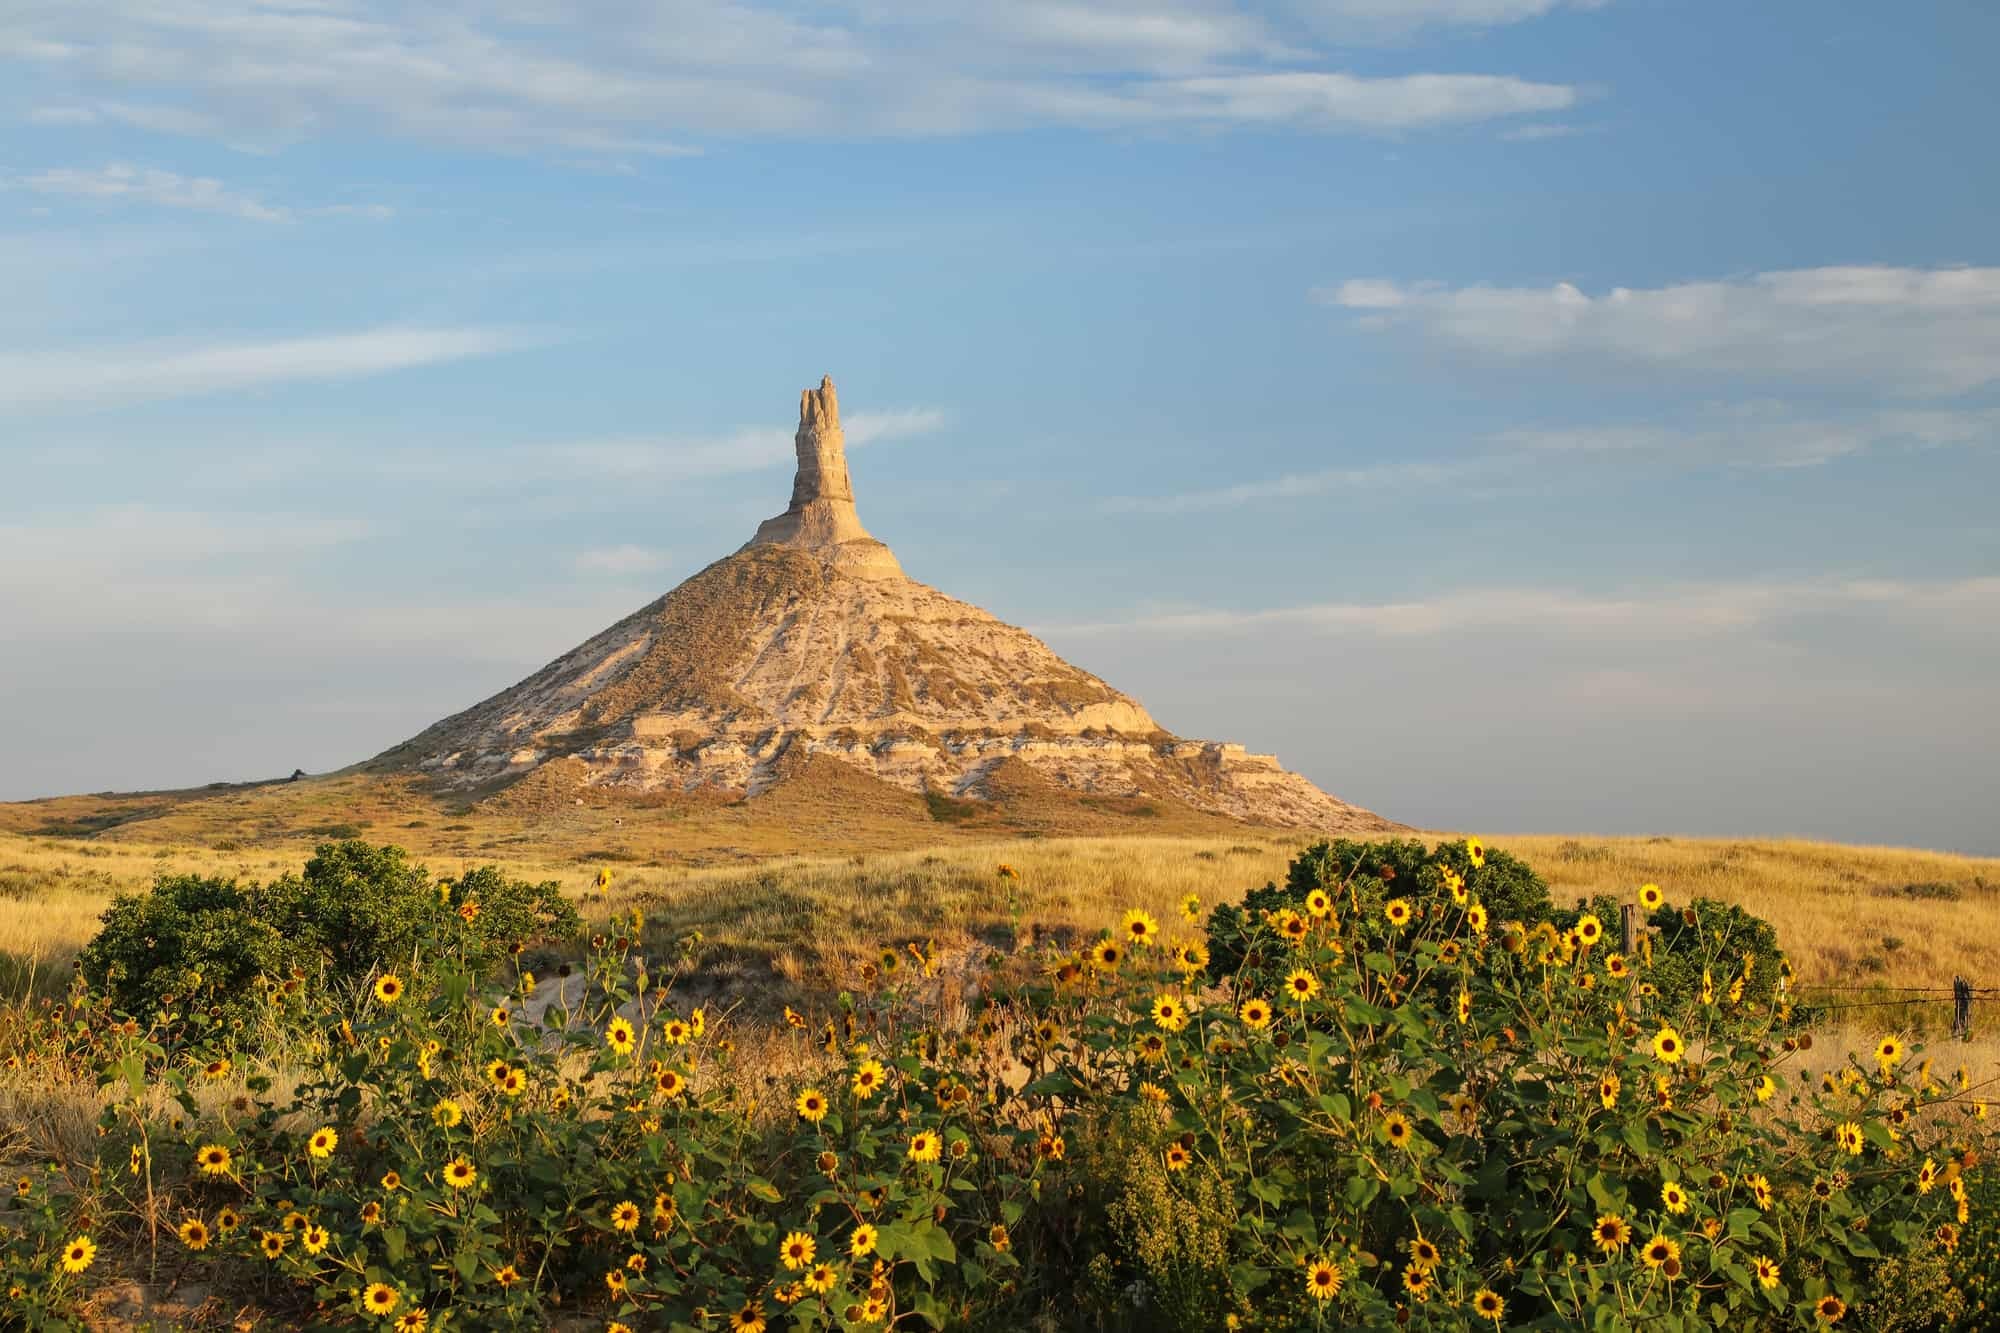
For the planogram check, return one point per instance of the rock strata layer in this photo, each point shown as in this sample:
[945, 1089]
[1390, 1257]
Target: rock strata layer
[811, 641]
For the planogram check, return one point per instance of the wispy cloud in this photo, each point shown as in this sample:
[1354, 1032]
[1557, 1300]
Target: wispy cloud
[1903, 330]
[1752, 435]
[746, 449]
[1674, 611]
[153, 371]
[611, 80]
[1300, 485]
[122, 182]
[1395, 18]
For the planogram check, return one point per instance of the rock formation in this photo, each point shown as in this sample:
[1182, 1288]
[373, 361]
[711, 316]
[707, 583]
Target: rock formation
[822, 517]
[811, 641]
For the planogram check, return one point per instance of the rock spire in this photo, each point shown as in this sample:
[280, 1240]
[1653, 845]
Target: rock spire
[822, 518]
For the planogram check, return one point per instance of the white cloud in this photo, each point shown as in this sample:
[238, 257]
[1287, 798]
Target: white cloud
[614, 79]
[1662, 613]
[1902, 330]
[153, 371]
[125, 182]
[619, 561]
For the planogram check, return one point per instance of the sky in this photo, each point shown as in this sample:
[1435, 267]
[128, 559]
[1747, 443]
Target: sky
[1515, 414]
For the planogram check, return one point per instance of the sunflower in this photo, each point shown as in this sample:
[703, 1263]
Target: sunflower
[1767, 1087]
[862, 1242]
[811, 1105]
[925, 1146]
[1927, 1176]
[1848, 1135]
[1397, 1130]
[1475, 916]
[678, 1031]
[619, 1035]
[213, 1159]
[380, 1298]
[1417, 1281]
[371, 1213]
[750, 1319]
[868, 1079]
[1424, 1253]
[215, 1069]
[625, 1216]
[1152, 1046]
[1830, 1310]
[614, 1281]
[1673, 1198]
[1050, 1147]
[323, 1142]
[1615, 966]
[1650, 897]
[1659, 1250]
[1138, 927]
[670, 1083]
[1767, 1271]
[1319, 904]
[1488, 1305]
[1301, 985]
[1947, 1235]
[1255, 1013]
[388, 988]
[1668, 1047]
[1106, 955]
[447, 1113]
[1607, 1091]
[227, 1221]
[194, 1233]
[506, 1276]
[460, 1173]
[413, 1321]
[1760, 1192]
[1611, 1234]
[314, 1239]
[1475, 851]
[1177, 1157]
[272, 1243]
[1464, 1005]
[1397, 912]
[514, 1082]
[1170, 1013]
[796, 1250]
[997, 1237]
[1322, 1280]
[391, 1180]
[496, 1072]
[1589, 930]
[1191, 958]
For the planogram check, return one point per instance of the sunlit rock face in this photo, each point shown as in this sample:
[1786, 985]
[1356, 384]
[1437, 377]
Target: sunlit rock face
[811, 640]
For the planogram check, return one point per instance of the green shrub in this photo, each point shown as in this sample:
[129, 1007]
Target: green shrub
[195, 950]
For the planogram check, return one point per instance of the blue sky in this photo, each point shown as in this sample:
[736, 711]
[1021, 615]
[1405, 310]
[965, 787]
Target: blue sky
[1515, 414]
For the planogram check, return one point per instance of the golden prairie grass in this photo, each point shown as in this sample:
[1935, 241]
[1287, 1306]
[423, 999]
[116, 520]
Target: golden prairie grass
[1848, 916]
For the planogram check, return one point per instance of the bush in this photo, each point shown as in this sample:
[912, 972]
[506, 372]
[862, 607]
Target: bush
[194, 950]
[1394, 1117]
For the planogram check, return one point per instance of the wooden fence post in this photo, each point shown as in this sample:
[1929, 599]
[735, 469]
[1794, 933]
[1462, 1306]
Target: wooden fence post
[1628, 934]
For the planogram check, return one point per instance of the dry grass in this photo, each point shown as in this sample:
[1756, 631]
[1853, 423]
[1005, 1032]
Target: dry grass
[1849, 916]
